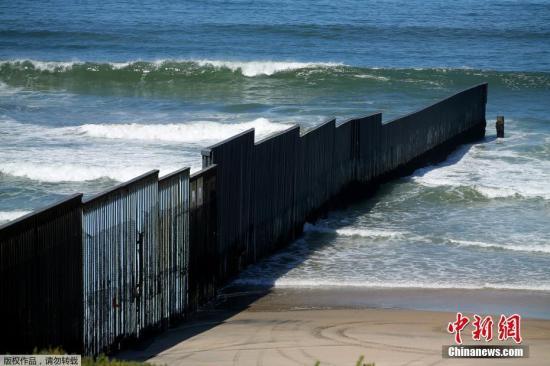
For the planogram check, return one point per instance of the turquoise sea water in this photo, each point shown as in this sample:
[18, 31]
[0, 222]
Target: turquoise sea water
[94, 93]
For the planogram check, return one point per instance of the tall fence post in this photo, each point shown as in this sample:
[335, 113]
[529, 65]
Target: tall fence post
[173, 244]
[234, 159]
[273, 191]
[203, 247]
[121, 291]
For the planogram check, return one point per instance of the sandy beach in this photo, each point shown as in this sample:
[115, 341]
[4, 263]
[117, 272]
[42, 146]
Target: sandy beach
[291, 327]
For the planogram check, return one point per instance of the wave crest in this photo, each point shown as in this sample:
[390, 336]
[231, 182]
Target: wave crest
[199, 132]
[256, 68]
[94, 161]
[350, 231]
[481, 169]
[518, 248]
[60, 172]
[164, 73]
[185, 67]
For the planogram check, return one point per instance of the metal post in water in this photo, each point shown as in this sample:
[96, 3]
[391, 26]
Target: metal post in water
[500, 126]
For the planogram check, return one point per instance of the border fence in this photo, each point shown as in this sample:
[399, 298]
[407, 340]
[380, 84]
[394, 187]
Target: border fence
[91, 275]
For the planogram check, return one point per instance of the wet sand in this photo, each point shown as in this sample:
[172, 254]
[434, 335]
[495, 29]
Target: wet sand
[299, 327]
[530, 304]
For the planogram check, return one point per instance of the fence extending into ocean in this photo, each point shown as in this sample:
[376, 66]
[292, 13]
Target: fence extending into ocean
[92, 274]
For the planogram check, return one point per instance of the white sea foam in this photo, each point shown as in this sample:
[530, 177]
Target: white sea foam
[67, 172]
[351, 231]
[494, 174]
[372, 77]
[44, 65]
[60, 65]
[195, 132]
[11, 215]
[6, 90]
[57, 154]
[97, 151]
[247, 68]
[256, 68]
[520, 248]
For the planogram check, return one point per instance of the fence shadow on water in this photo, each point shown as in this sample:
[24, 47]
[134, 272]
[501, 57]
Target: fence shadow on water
[236, 296]
[279, 263]
[137, 258]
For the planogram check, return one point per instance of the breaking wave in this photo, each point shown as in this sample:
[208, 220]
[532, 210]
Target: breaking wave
[169, 67]
[93, 160]
[351, 231]
[519, 248]
[386, 234]
[194, 132]
[180, 73]
[482, 170]
[257, 68]
[53, 172]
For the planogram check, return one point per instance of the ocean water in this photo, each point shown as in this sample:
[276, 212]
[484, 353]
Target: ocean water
[94, 93]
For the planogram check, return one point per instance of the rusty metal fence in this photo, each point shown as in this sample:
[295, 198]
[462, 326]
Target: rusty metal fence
[41, 279]
[121, 289]
[91, 275]
[173, 242]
